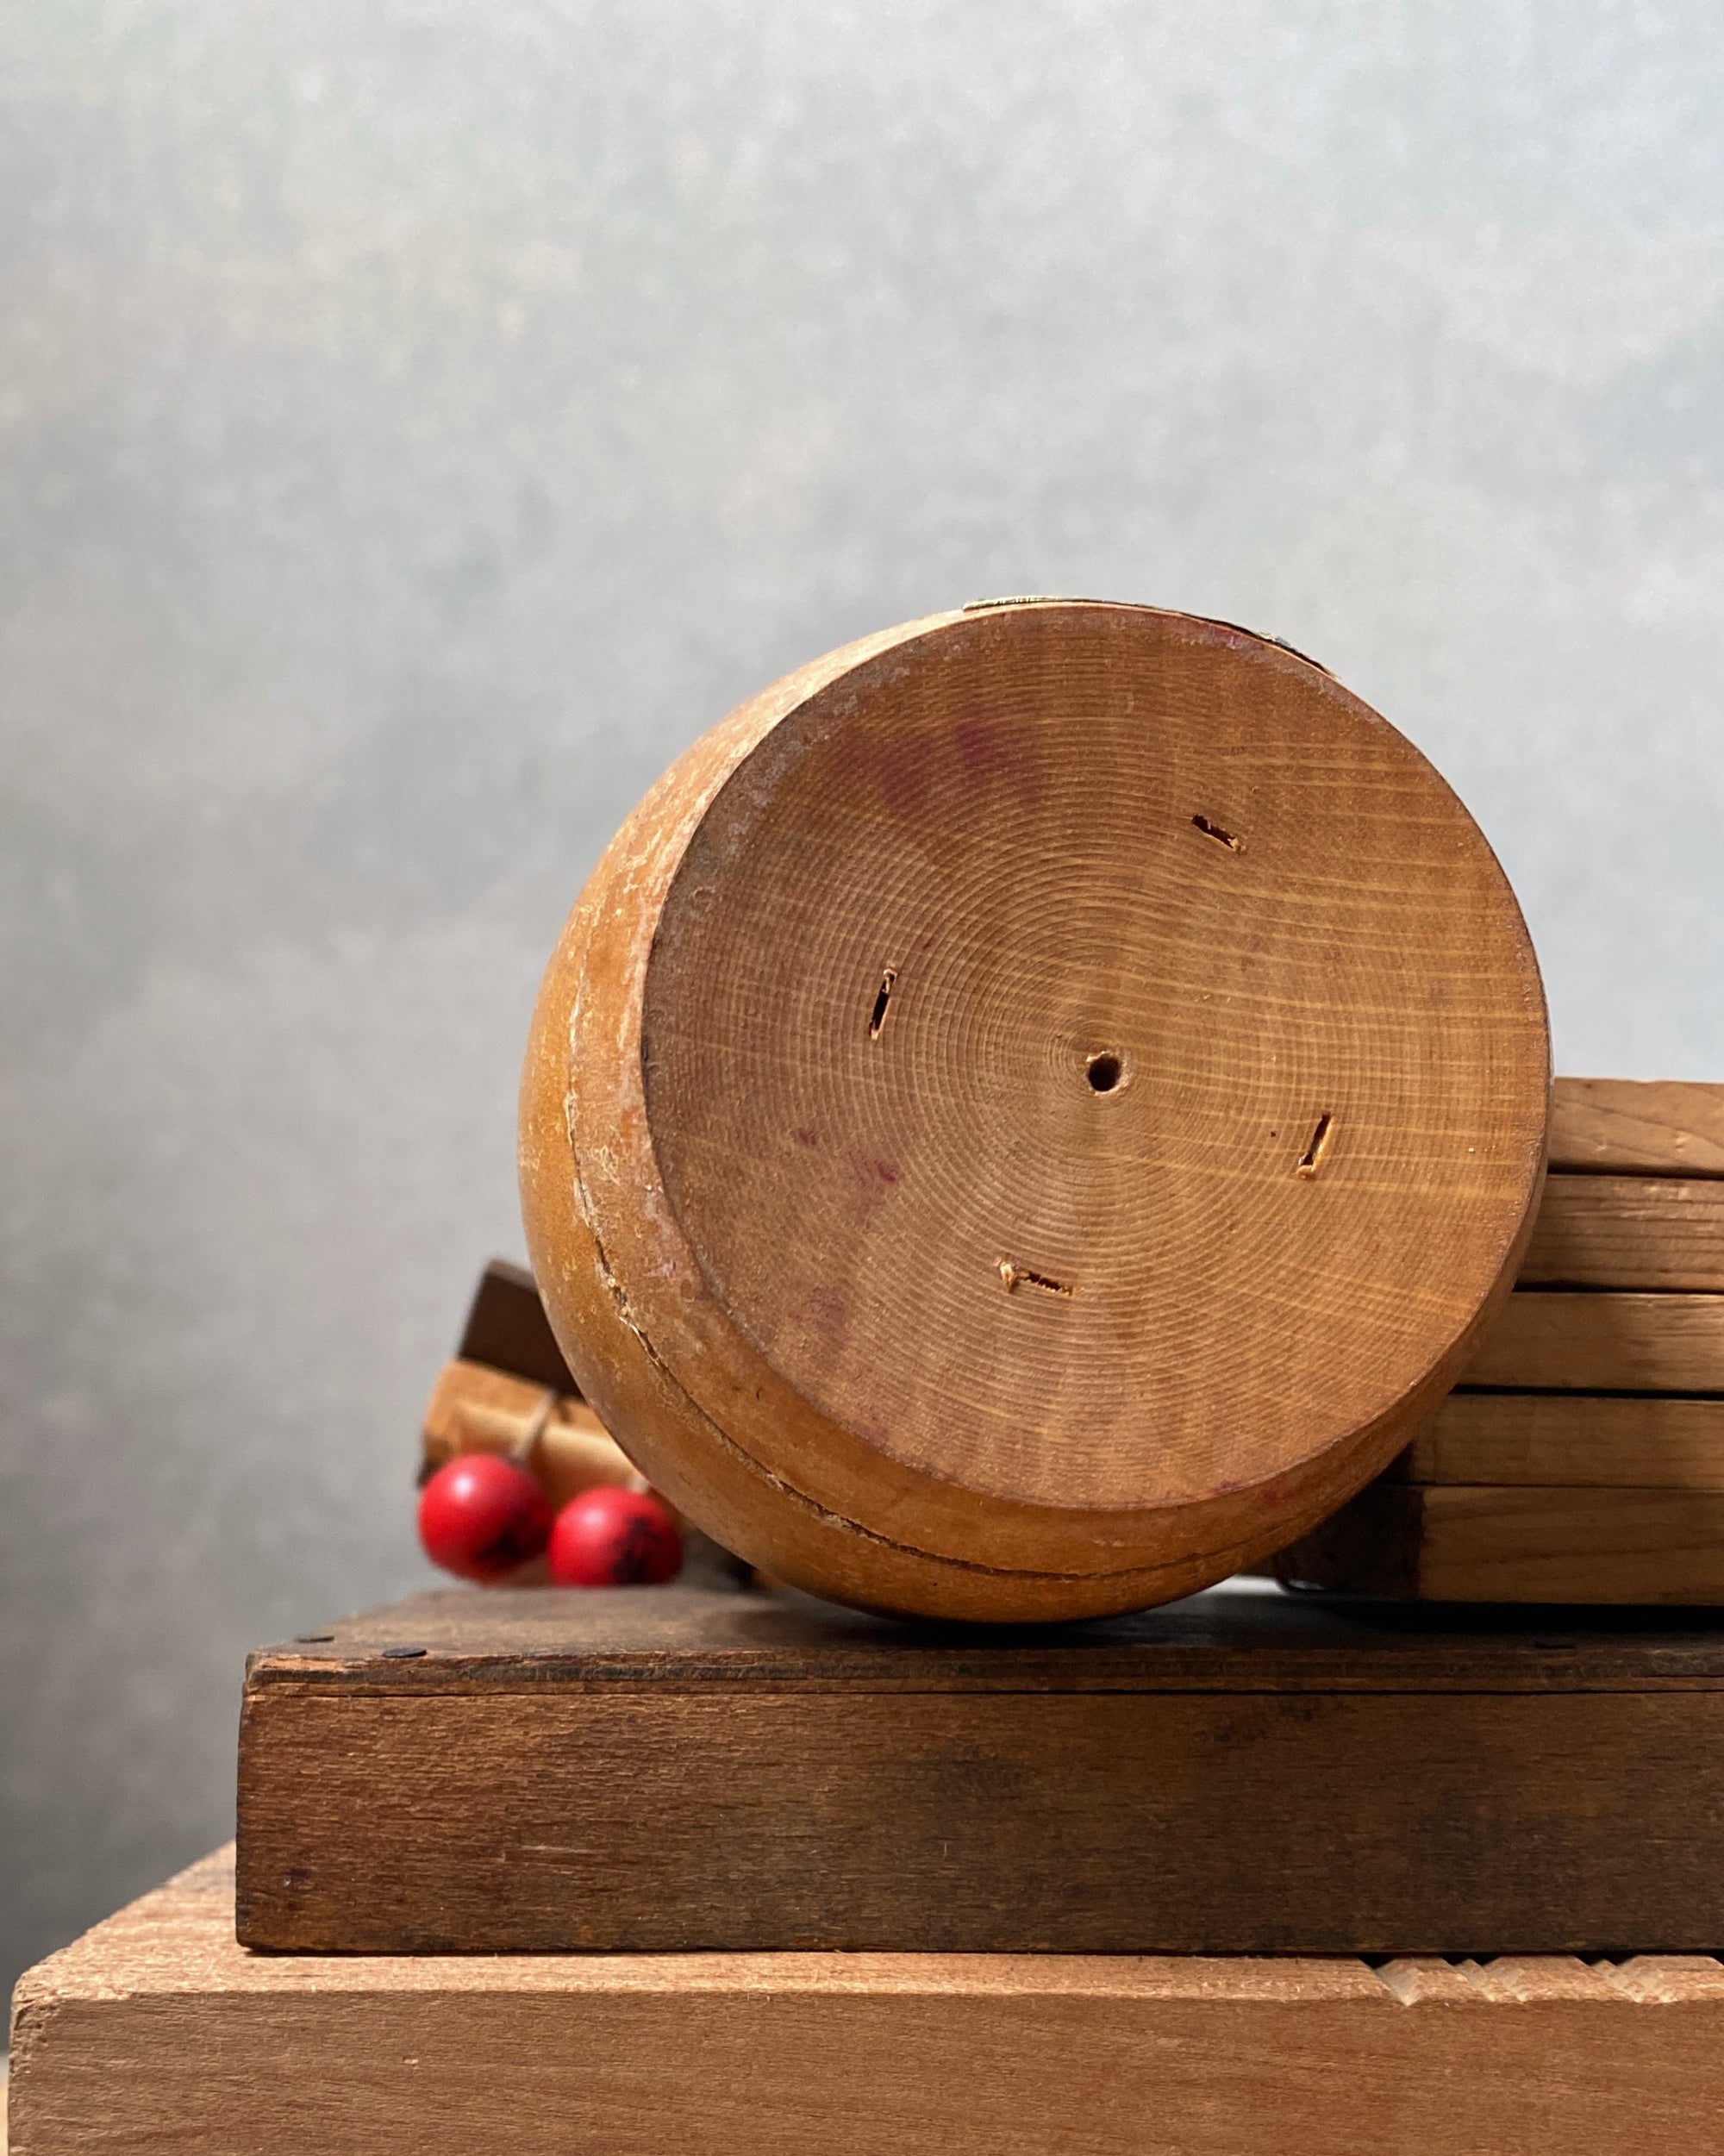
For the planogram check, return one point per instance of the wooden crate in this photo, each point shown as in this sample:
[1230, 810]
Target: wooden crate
[156, 2033]
[700, 1768]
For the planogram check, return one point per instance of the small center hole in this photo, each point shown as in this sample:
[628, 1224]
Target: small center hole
[1104, 1072]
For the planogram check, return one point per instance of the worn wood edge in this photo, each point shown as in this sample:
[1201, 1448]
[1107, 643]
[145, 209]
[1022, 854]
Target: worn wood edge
[1325, 1651]
[354, 2055]
[1571, 1825]
[178, 1941]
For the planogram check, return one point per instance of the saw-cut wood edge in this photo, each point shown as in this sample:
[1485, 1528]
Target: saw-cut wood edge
[156, 2033]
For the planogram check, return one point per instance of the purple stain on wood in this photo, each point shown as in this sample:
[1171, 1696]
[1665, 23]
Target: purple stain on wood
[904, 786]
[826, 1312]
[989, 756]
[808, 1137]
[980, 750]
[874, 1177]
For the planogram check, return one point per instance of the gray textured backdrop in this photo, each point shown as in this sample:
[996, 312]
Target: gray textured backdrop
[420, 419]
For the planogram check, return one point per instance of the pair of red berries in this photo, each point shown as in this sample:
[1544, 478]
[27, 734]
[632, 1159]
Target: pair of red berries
[482, 1516]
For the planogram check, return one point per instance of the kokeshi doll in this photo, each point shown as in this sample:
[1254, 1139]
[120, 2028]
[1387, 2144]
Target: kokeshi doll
[1032, 1111]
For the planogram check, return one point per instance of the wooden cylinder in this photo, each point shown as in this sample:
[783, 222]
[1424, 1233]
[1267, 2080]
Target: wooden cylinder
[1032, 1110]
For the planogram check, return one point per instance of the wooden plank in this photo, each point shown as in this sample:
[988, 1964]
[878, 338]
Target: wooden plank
[1551, 1340]
[507, 1328]
[156, 2033]
[1602, 1546]
[705, 1634]
[1636, 1232]
[1166, 1784]
[1634, 1127]
[1570, 1441]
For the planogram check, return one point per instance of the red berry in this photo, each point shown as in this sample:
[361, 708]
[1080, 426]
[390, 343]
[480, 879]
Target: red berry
[615, 1538]
[481, 1515]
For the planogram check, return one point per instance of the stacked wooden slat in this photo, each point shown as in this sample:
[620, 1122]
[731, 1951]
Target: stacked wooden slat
[1581, 1459]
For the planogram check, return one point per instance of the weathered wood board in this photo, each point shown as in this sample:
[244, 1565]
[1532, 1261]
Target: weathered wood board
[1628, 1232]
[1497, 1544]
[660, 1770]
[1636, 1126]
[1570, 1441]
[1548, 1340]
[155, 2033]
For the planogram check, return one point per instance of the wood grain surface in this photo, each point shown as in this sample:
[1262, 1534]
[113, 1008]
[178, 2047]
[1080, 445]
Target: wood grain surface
[507, 1329]
[1545, 1339]
[693, 1770]
[1634, 1127]
[1570, 1441]
[156, 2033]
[1628, 1232]
[986, 1145]
[1498, 1545]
